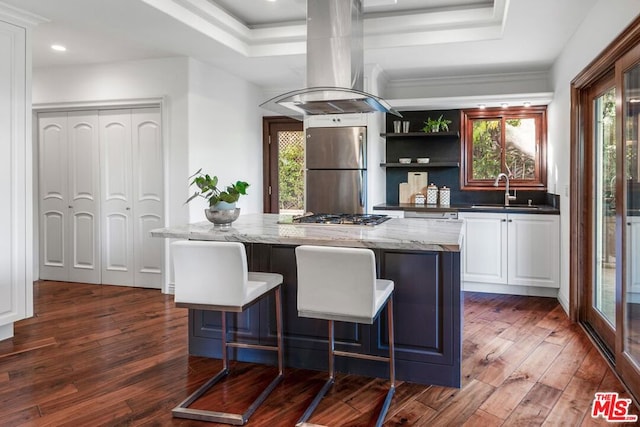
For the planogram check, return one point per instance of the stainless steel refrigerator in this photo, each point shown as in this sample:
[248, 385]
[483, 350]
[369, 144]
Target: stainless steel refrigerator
[336, 170]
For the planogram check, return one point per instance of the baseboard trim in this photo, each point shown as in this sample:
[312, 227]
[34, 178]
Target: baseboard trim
[510, 289]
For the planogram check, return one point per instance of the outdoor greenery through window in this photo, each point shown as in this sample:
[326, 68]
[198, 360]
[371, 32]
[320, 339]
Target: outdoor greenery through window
[291, 172]
[510, 141]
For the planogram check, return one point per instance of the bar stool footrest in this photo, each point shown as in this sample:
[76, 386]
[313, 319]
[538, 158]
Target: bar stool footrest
[314, 404]
[183, 410]
[385, 406]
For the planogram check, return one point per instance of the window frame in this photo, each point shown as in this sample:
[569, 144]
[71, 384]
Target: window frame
[538, 113]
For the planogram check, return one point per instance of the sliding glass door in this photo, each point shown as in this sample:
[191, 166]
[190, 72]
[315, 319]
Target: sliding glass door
[605, 203]
[601, 292]
[628, 76]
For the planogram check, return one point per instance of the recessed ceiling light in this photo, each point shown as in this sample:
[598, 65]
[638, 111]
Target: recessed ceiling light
[527, 104]
[271, 1]
[482, 106]
[58, 47]
[504, 105]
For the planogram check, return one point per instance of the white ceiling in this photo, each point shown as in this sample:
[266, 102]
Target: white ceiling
[264, 41]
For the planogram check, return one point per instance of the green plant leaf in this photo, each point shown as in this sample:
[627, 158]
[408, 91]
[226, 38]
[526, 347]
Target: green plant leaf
[209, 190]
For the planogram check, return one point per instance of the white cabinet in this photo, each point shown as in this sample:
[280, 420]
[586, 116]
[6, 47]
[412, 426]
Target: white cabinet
[16, 296]
[101, 191]
[510, 249]
[69, 196]
[484, 252]
[336, 120]
[533, 250]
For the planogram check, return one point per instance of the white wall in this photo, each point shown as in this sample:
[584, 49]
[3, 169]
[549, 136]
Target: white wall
[125, 81]
[207, 111]
[225, 133]
[601, 26]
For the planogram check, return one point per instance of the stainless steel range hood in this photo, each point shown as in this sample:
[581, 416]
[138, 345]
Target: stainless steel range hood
[334, 65]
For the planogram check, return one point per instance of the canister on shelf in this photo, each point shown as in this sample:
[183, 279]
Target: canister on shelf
[419, 199]
[432, 194]
[445, 196]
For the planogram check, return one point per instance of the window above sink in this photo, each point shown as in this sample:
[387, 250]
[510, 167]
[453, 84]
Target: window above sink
[504, 140]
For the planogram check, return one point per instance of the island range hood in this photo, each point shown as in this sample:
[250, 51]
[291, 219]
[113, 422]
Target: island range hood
[334, 65]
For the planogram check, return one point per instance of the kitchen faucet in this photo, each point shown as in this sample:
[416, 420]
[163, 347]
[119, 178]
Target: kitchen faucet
[507, 196]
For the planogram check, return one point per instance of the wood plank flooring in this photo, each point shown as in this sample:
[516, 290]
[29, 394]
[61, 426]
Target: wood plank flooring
[116, 356]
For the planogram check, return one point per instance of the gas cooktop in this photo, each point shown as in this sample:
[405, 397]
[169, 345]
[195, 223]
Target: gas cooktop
[342, 219]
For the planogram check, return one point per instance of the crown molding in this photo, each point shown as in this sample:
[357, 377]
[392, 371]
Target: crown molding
[20, 16]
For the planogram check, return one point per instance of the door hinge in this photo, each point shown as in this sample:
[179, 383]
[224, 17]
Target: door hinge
[269, 190]
[269, 139]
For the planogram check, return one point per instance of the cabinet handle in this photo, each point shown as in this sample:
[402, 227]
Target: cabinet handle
[510, 220]
[503, 220]
[70, 207]
[128, 208]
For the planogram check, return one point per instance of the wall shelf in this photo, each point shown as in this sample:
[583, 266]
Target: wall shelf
[445, 164]
[421, 135]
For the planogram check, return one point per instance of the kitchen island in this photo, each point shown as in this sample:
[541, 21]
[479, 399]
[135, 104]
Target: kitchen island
[421, 256]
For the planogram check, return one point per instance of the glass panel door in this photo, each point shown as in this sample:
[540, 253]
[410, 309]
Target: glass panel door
[601, 289]
[631, 212]
[283, 162]
[605, 206]
[290, 172]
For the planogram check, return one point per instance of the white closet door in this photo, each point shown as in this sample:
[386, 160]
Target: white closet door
[54, 206]
[147, 192]
[117, 200]
[84, 197]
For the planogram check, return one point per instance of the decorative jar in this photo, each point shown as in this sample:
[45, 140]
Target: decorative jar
[432, 194]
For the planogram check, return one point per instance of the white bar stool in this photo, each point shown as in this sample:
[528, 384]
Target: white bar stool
[340, 284]
[213, 276]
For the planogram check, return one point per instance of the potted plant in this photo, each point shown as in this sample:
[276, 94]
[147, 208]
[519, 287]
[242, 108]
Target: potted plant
[218, 199]
[436, 125]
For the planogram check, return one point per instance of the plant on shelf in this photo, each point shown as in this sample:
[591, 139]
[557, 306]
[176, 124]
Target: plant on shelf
[436, 125]
[218, 199]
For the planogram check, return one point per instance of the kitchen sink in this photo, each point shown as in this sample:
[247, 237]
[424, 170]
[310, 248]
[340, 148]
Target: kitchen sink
[512, 206]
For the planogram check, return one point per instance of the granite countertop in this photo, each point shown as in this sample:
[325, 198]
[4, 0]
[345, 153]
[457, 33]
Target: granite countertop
[409, 233]
[516, 208]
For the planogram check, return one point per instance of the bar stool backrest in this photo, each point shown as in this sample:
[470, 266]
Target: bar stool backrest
[334, 280]
[210, 272]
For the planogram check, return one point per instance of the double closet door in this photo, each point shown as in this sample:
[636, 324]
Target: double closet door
[101, 191]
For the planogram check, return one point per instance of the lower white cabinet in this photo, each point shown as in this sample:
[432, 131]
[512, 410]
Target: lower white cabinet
[511, 249]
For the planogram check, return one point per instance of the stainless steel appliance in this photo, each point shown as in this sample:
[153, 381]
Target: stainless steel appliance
[335, 65]
[336, 170]
[431, 215]
[341, 219]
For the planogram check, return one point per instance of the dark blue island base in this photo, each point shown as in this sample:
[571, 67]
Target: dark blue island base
[428, 320]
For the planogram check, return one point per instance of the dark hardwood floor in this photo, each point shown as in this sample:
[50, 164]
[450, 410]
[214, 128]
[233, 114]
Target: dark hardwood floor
[117, 356]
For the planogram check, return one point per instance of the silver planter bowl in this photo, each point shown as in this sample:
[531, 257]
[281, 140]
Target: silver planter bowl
[222, 218]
